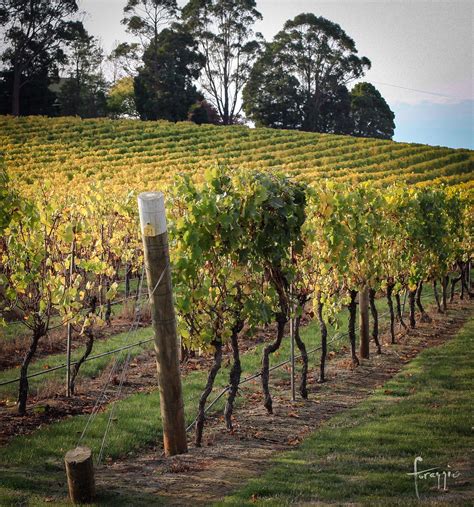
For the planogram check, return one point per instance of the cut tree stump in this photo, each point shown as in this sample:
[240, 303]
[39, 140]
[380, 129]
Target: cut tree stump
[80, 475]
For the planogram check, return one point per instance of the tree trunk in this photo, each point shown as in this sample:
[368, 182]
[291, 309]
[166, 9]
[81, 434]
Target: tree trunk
[436, 296]
[216, 365]
[352, 324]
[424, 316]
[411, 300]
[375, 318]
[90, 342]
[270, 349]
[444, 287]
[23, 387]
[304, 357]
[399, 311]
[324, 339]
[235, 373]
[390, 311]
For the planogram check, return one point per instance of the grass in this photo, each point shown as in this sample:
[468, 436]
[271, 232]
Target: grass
[363, 455]
[88, 369]
[35, 468]
[93, 368]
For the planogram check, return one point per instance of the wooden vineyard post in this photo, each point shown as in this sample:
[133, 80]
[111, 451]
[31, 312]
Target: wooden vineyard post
[80, 475]
[151, 206]
[364, 330]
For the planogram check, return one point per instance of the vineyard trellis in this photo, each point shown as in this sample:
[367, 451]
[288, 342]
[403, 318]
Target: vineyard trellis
[247, 247]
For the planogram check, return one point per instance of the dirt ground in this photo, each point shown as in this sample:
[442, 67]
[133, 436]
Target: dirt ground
[50, 404]
[229, 459]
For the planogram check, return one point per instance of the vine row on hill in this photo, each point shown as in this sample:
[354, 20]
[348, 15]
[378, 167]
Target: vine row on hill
[248, 248]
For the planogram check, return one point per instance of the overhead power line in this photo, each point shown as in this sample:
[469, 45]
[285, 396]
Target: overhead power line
[412, 89]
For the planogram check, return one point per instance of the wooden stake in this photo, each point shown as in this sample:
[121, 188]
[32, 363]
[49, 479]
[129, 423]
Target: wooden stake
[157, 264]
[80, 475]
[364, 325]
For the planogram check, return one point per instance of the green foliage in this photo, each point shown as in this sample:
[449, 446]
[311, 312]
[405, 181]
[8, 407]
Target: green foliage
[306, 67]
[224, 31]
[146, 18]
[83, 91]
[164, 86]
[371, 115]
[121, 98]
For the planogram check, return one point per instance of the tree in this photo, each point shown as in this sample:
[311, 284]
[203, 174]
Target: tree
[83, 92]
[371, 115]
[124, 60]
[308, 63]
[37, 94]
[146, 18]
[272, 98]
[121, 98]
[164, 86]
[36, 33]
[223, 29]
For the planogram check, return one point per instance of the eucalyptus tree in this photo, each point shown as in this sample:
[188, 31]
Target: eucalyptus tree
[224, 30]
[147, 18]
[307, 62]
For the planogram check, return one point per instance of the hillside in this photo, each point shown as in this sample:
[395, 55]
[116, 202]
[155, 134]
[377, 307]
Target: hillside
[144, 155]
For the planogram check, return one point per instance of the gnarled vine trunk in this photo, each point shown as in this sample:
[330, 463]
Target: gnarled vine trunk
[411, 302]
[216, 365]
[375, 319]
[436, 296]
[390, 287]
[38, 333]
[235, 373]
[90, 343]
[352, 323]
[399, 311]
[281, 320]
[324, 339]
[424, 316]
[465, 289]
[304, 357]
[444, 294]
[454, 281]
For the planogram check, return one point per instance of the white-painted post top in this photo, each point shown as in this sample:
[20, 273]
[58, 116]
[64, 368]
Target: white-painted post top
[151, 208]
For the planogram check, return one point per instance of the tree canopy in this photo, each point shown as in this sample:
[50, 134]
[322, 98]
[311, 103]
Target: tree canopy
[306, 67]
[36, 33]
[164, 87]
[224, 31]
[371, 115]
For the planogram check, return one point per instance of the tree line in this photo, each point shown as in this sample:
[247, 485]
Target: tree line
[204, 63]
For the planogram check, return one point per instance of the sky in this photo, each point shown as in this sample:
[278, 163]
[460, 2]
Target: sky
[421, 53]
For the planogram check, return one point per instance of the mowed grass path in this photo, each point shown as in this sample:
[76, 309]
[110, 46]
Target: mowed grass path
[31, 466]
[363, 455]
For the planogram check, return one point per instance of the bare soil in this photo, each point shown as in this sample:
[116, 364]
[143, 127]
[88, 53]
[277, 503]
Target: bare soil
[228, 459]
[51, 405]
